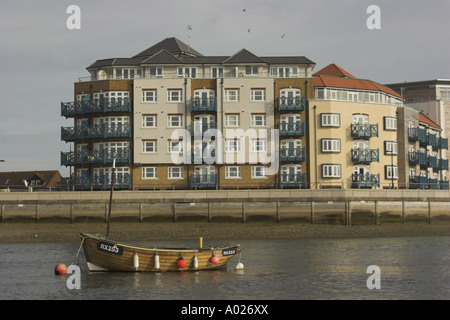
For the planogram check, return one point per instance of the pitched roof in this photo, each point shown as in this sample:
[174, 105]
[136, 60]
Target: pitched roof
[162, 57]
[325, 78]
[424, 119]
[172, 45]
[333, 70]
[244, 56]
[124, 62]
[14, 179]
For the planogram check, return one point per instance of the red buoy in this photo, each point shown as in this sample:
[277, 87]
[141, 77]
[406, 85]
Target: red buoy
[214, 260]
[181, 263]
[60, 269]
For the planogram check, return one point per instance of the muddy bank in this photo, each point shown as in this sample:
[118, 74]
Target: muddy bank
[16, 232]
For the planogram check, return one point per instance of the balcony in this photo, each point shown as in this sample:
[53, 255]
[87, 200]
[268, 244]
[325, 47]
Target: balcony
[292, 180]
[365, 155]
[97, 131]
[433, 184]
[203, 104]
[442, 164]
[198, 129]
[444, 185]
[292, 154]
[199, 156]
[291, 128]
[70, 109]
[418, 182]
[121, 181]
[367, 180]
[442, 143]
[417, 134]
[291, 104]
[203, 181]
[360, 130]
[95, 157]
[432, 140]
[418, 158]
[432, 162]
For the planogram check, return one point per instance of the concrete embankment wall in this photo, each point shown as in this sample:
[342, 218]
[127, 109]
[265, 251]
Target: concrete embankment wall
[348, 207]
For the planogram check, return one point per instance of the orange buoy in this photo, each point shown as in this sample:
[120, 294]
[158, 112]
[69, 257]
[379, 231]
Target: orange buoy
[214, 259]
[60, 269]
[181, 263]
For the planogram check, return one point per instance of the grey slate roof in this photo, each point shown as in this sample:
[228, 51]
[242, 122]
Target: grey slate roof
[168, 51]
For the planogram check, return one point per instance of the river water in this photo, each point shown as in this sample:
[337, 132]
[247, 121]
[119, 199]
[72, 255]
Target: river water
[301, 269]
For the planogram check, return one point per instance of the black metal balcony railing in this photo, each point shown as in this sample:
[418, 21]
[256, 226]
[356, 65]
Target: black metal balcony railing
[432, 162]
[70, 109]
[292, 180]
[365, 155]
[444, 185]
[291, 104]
[360, 130]
[198, 129]
[418, 158]
[442, 143]
[200, 181]
[417, 134]
[418, 182]
[292, 154]
[367, 180]
[203, 104]
[97, 131]
[432, 140]
[91, 157]
[291, 128]
[121, 181]
[443, 164]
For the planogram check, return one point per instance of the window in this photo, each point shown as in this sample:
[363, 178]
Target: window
[232, 146]
[174, 95]
[331, 171]
[331, 145]
[217, 72]
[258, 95]
[231, 95]
[176, 173]
[174, 121]
[320, 94]
[391, 172]
[251, 70]
[259, 172]
[233, 172]
[128, 73]
[149, 121]
[390, 123]
[232, 120]
[259, 145]
[258, 120]
[149, 95]
[149, 146]
[156, 72]
[187, 72]
[390, 147]
[175, 146]
[330, 120]
[149, 173]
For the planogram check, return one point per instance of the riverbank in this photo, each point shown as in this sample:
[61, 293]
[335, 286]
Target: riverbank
[20, 232]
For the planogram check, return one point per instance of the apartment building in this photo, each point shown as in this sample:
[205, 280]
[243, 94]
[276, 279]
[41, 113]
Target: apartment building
[172, 118]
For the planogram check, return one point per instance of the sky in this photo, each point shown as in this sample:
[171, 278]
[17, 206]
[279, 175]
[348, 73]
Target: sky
[41, 58]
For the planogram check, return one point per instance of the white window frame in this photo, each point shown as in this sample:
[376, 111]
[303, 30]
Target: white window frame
[149, 96]
[331, 145]
[175, 98]
[259, 172]
[258, 120]
[233, 145]
[187, 72]
[175, 147]
[390, 123]
[330, 120]
[232, 172]
[390, 148]
[258, 145]
[331, 171]
[388, 170]
[149, 173]
[156, 73]
[232, 95]
[251, 70]
[258, 95]
[171, 122]
[175, 173]
[232, 120]
[150, 146]
[217, 72]
[146, 118]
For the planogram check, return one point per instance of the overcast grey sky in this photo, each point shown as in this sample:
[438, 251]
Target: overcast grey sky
[41, 58]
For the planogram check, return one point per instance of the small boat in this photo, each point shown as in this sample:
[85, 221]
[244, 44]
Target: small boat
[103, 254]
[106, 255]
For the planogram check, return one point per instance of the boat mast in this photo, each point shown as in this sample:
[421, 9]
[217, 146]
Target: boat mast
[110, 196]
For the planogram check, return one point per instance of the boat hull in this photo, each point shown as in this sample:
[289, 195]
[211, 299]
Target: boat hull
[108, 255]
